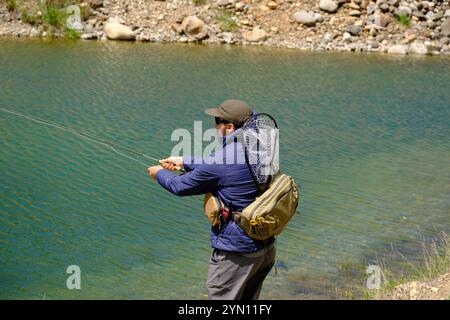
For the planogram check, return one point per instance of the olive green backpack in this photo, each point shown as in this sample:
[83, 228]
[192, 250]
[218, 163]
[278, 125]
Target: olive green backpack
[269, 214]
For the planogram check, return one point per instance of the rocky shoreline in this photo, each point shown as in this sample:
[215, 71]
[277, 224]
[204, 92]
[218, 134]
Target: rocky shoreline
[384, 26]
[434, 289]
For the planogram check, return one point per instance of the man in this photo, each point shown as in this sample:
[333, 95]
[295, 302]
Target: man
[238, 264]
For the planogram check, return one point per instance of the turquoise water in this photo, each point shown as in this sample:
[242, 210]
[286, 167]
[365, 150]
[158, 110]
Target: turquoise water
[366, 136]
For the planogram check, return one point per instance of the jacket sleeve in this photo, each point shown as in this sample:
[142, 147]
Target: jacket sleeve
[197, 181]
[190, 163]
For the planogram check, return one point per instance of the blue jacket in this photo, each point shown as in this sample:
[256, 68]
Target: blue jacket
[227, 176]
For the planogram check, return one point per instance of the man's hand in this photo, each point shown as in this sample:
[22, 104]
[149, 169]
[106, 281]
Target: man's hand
[152, 171]
[172, 163]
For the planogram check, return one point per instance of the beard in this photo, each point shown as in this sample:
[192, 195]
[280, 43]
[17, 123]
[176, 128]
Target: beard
[221, 132]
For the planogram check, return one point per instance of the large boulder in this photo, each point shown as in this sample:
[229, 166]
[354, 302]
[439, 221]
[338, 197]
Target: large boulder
[118, 31]
[194, 28]
[328, 5]
[307, 18]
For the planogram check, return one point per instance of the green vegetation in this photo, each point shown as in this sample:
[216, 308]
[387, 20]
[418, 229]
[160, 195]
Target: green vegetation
[351, 277]
[199, 2]
[72, 34]
[58, 3]
[55, 16]
[403, 19]
[227, 21]
[11, 5]
[437, 258]
[29, 18]
[436, 261]
[396, 269]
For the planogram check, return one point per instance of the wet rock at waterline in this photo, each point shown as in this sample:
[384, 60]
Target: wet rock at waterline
[418, 48]
[118, 31]
[398, 49]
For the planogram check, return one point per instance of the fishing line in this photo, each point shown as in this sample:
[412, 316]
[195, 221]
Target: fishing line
[129, 157]
[86, 136]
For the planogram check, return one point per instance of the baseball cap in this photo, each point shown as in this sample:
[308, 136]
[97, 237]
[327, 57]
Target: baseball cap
[235, 111]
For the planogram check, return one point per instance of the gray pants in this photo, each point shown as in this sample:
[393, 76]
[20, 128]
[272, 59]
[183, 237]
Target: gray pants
[238, 276]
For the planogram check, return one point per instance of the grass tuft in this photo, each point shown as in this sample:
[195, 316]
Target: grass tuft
[403, 19]
[55, 16]
[28, 17]
[72, 34]
[11, 5]
[227, 21]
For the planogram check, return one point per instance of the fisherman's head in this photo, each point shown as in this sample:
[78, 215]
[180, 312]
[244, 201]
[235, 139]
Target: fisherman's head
[229, 116]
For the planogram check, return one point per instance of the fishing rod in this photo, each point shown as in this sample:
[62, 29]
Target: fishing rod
[84, 135]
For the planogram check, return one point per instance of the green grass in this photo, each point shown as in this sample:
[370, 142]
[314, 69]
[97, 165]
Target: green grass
[199, 2]
[55, 16]
[29, 18]
[437, 258]
[396, 269]
[227, 21]
[11, 5]
[403, 19]
[436, 261]
[72, 34]
[58, 3]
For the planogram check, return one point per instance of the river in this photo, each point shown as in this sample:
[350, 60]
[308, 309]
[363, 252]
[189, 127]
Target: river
[367, 137]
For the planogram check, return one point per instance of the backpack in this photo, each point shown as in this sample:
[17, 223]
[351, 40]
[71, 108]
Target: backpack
[269, 214]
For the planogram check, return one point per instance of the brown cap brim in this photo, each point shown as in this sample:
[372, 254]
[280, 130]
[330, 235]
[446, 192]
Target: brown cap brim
[213, 112]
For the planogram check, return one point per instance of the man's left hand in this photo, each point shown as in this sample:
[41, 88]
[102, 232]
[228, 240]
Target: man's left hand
[152, 171]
